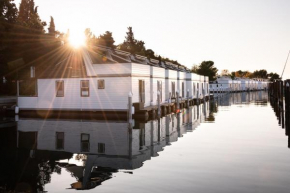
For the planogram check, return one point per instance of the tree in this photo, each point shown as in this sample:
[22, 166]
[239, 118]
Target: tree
[273, 76]
[241, 74]
[8, 17]
[151, 54]
[28, 17]
[225, 72]
[132, 45]
[260, 74]
[107, 40]
[206, 68]
[51, 28]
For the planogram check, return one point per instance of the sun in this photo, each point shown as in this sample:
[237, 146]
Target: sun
[77, 40]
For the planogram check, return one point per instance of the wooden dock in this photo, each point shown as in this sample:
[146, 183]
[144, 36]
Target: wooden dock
[7, 103]
[165, 108]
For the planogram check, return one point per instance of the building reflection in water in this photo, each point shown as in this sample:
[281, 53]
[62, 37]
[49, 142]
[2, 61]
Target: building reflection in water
[36, 148]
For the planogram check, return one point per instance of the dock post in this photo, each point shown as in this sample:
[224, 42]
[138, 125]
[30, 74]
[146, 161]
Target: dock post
[187, 95]
[158, 104]
[177, 100]
[130, 107]
[17, 100]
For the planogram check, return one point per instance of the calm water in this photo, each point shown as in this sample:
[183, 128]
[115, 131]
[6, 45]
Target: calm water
[233, 144]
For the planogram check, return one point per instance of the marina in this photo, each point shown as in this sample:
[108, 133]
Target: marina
[101, 97]
[66, 154]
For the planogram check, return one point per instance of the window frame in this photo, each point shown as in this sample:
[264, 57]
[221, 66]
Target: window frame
[159, 88]
[100, 146]
[173, 88]
[56, 141]
[85, 142]
[81, 88]
[99, 85]
[57, 87]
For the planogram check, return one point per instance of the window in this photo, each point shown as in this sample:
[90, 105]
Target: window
[101, 84]
[85, 89]
[32, 72]
[141, 91]
[59, 85]
[182, 90]
[59, 140]
[159, 88]
[85, 142]
[193, 89]
[101, 148]
[173, 89]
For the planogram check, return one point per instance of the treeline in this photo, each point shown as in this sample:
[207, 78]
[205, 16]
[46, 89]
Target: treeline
[24, 41]
[22, 37]
[256, 74]
[207, 68]
[130, 44]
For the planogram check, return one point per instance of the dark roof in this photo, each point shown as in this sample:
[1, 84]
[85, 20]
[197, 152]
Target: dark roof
[99, 56]
[63, 63]
[66, 62]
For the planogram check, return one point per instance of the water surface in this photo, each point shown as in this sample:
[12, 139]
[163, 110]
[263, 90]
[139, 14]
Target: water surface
[232, 144]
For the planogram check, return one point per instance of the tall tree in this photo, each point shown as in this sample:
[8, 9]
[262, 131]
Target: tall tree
[51, 28]
[132, 45]
[29, 17]
[107, 40]
[206, 68]
[260, 74]
[273, 76]
[8, 17]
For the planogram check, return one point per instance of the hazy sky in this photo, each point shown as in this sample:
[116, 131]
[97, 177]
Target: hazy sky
[235, 34]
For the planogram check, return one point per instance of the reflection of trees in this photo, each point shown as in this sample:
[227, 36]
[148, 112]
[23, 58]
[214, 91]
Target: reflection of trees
[213, 108]
[21, 172]
[81, 157]
[45, 171]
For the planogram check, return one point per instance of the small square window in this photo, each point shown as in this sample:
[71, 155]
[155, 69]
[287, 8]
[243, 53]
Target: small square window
[101, 84]
[101, 148]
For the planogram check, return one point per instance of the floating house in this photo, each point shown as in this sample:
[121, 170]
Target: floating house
[226, 84]
[99, 79]
[222, 84]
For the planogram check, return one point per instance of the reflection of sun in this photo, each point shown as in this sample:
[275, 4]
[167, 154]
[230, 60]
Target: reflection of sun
[77, 39]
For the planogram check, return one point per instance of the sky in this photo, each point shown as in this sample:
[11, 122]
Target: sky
[235, 34]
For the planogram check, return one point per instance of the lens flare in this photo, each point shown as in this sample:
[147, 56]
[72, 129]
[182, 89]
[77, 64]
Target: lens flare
[77, 40]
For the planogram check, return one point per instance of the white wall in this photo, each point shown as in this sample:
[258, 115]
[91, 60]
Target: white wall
[135, 89]
[140, 69]
[28, 102]
[114, 96]
[113, 134]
